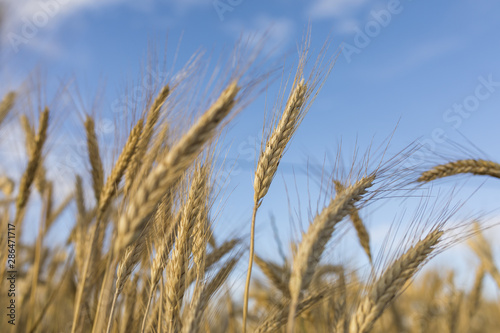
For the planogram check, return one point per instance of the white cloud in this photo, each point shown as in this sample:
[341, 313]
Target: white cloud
[189, 4]
[280, 29]
[337, 8]
[25, 20]
[346, 26]
[55, 10]
[277, 31]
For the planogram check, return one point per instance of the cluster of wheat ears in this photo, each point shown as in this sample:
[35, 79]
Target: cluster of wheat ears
[142, 255]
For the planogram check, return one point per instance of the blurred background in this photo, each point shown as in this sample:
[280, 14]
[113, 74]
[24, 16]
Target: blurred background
[429, 72]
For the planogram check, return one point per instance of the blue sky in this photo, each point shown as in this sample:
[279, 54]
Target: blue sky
[432, 68]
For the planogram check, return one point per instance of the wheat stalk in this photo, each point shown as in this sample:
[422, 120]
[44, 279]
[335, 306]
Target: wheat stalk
[268, 165]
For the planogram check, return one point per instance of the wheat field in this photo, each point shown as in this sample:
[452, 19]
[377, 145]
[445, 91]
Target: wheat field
[142, 254]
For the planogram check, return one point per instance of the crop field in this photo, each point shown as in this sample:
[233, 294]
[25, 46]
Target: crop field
[144, 245]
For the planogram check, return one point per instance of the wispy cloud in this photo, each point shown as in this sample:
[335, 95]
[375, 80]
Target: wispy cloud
[27, 20]
[37, 11]
[414, 57]
[186, 5]
[277, 31]
[321, 9]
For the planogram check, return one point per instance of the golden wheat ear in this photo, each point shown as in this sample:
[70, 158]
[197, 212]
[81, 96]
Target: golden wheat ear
[131, 224]
[268, 165]
[6, 105]
[33, 165]
[145, 137]
[392, 282]
[363, 236]
[94, 158]
[317, 236]
[483, 250]
[278, 275]
[475, 167]
[279, 318]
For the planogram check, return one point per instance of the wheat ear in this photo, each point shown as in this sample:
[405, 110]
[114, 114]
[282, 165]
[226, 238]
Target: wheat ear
[129, 260]
[159, 261]
[339, 307]
[268, 165]
[6, 105]
[199, 247]
[147, 134]
[176, 276]
[483, 250]
[363, 236]
[195, 314]
[278, 319]
[276, 274]
[103, 196]
[131, 223]
[6, 185]
[94, 158]
[33, 165]
[213, 257]
[319, 233]
[475, 294]
[120, 167]
[475, 167]
[392, 282]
